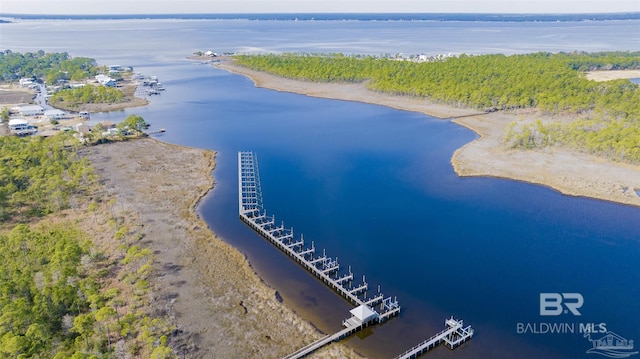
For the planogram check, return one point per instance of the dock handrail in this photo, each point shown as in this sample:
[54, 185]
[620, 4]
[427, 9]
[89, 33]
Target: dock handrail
[251, 211]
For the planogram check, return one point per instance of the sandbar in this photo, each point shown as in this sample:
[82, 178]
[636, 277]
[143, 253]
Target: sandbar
[567, 171]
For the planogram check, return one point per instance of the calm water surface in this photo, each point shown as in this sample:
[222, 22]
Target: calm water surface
[374, 186]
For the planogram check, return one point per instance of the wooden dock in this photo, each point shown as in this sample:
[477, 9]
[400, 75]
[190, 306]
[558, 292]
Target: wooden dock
[369, 310]
[158, 131]
[325, 268]
[324, 341]
[454, 335]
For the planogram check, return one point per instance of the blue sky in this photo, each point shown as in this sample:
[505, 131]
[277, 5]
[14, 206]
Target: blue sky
[313, 6]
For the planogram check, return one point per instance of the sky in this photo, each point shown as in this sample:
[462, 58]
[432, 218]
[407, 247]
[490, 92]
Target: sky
[81, 7]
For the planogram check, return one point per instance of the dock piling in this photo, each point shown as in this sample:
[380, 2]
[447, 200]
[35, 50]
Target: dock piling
[252, 212]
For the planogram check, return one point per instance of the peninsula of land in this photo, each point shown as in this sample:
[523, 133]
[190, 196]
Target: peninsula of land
[568, 171]
[205, 287]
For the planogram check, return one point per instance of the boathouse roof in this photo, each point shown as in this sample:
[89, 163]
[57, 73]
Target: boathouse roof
[363, 313]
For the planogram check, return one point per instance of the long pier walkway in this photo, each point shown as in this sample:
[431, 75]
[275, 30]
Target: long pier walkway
[324, 341]
[325, 268]
[454, 335]
[369, 310]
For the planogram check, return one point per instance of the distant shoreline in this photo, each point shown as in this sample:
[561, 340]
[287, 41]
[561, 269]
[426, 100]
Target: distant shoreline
[569, 172]
[491, 17]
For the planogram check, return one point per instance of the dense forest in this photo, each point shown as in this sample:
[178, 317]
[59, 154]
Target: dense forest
[50, 67]
[609, 112]
[39, 176]
[62, 293]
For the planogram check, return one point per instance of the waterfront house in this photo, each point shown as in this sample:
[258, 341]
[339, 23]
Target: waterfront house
[105, 80]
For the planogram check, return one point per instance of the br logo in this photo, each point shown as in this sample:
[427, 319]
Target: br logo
[552, 304]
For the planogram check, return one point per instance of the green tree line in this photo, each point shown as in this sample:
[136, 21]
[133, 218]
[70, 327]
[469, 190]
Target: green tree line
[551, 82]
[609, 112]
[86, 94]
[40, 175]
[50, 67]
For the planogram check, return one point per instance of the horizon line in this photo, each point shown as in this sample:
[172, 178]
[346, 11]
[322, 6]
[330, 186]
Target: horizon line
[328, 13]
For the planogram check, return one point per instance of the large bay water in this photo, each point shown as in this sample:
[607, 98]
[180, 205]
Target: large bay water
[374, 186]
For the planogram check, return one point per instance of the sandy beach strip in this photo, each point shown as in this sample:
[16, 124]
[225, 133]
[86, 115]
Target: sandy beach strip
[347, 92]
[570, 172]
[209, 291]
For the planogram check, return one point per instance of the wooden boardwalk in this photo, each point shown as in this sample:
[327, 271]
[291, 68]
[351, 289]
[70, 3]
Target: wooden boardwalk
[370, 310]
[325, 268]
[158, 131]
[324, 341]
[454, 335]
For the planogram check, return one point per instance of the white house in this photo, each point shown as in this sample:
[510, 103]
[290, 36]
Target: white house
[55, 114]
[29, 110]
[25, 82]
[18, 124]
[105, 80]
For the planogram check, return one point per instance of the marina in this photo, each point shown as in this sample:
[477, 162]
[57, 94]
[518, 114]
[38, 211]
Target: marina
[147, 85]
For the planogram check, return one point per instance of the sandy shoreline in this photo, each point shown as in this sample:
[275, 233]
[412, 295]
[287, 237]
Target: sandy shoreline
[205, 286]
[568, 172]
